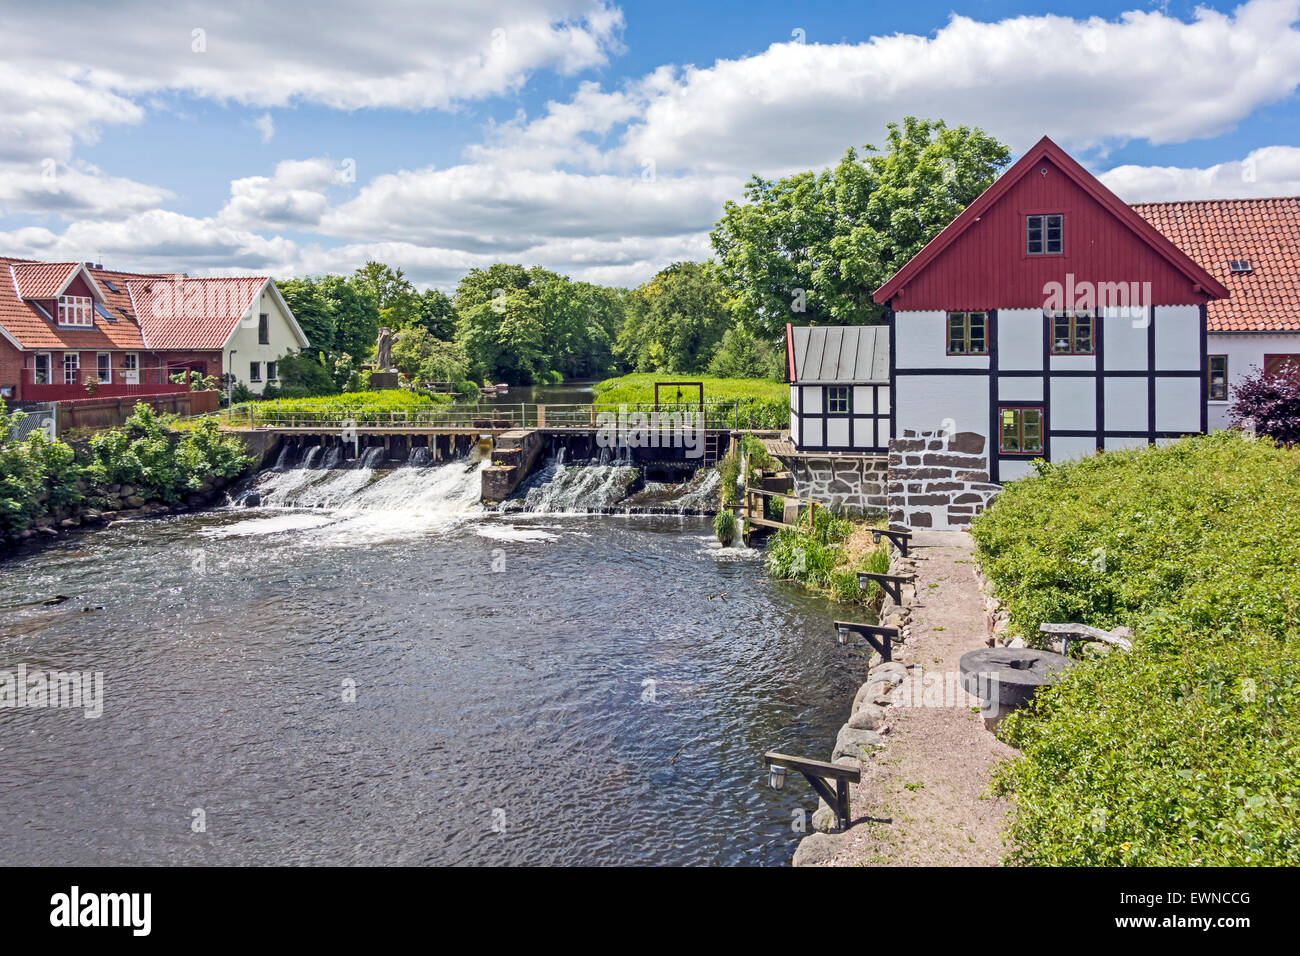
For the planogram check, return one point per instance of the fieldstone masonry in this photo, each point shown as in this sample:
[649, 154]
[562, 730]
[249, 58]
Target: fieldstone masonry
[937, 479]
[853, 484]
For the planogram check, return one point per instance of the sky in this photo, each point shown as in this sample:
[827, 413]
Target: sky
[595, 138]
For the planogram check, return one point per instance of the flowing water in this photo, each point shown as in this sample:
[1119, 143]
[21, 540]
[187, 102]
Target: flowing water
[370, 668]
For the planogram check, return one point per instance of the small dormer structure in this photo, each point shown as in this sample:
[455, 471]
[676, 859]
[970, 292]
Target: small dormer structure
[839, 388]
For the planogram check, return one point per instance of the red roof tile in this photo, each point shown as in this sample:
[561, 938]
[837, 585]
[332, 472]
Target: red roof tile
[1266, 232]
[181, 313]
[42, 280]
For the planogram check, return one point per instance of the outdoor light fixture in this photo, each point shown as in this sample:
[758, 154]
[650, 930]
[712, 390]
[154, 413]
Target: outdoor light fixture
[842, 635]
[880, 638]
[900, 539]
[820, 775]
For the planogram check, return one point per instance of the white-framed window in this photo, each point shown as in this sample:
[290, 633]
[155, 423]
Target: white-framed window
[263, 329]
[104, 367]
[130, 368]
[76, 310]
[41, 369]
[254, 371]
[71, 367]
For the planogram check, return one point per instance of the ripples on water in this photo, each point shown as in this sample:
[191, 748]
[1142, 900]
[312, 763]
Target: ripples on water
[502, 667]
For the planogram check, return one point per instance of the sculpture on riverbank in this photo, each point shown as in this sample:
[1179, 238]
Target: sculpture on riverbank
[384, 350]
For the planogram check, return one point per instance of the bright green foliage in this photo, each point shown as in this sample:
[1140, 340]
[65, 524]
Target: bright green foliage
[763, 402]
[743, 355]
[724, 526]
[813, 553]
[813, 247]
[1205, 531]
[146, 454]
[676, 320]
[302, 374]
[423, 358]
[1184, 751]
[36, 475]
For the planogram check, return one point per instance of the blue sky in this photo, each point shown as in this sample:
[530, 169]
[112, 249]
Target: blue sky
[596, 138]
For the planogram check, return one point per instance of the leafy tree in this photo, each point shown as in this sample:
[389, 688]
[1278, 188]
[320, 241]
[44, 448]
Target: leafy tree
[814, 246]
[436, 313]
[675, 321]
[423, 358]
[356, 314]
[743, 355]
[314, 311]
[1269, 404]
[392, 293]
[302, 375]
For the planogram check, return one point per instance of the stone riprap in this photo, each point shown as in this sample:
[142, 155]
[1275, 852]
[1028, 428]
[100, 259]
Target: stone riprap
[938, 479]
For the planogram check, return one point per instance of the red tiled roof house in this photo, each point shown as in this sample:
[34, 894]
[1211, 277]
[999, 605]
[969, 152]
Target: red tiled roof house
[73, 331]
[1252, 246]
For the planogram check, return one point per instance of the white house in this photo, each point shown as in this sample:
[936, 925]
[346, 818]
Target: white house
[1048, 320]
[1252, 246]
[839, 388]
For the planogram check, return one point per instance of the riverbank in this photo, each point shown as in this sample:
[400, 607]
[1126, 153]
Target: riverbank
[924, 797]
[49, 487]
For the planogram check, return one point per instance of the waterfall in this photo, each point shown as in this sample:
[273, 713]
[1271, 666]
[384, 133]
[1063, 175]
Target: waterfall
[608, 484]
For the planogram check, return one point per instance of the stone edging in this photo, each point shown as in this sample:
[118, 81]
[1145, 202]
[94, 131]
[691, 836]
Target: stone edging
[862, 738]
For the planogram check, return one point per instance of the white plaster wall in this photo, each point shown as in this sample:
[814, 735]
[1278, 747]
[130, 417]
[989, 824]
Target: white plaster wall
[1066, 448]
[812, 396]
[921, 341]
[863, 400]
[1126, 404]
[1020, 338]
[1178, 337]
[794, 399]
[281, 341]
[1245, 351]
[1073, 363]
[1178, 404]
[837, 432]
[812, 428]
[1018, 389]
[1114, 443]
[1124, 344]
[928, 403]
[1012, 468]
[1074, 405]
[864, 432]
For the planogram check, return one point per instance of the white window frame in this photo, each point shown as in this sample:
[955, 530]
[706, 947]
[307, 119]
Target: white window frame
[255, 372]
[104, 379]
[130, 368]
[71, 367]
[76, 311]
[49, 368]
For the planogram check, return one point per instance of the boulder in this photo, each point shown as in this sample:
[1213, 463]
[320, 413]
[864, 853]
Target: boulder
[132, 500]
[818, 849]
[858, 744]
[868, 716]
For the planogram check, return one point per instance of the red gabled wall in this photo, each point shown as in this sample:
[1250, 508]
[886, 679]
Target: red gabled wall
[11, 368]
[986, 267]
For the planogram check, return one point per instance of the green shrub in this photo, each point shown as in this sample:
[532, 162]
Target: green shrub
[1185, 750]
[724, 526]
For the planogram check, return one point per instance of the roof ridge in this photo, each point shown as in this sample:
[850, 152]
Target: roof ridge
[1188, 202]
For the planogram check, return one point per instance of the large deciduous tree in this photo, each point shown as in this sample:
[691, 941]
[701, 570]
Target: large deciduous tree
[811, 248]
[675, 321]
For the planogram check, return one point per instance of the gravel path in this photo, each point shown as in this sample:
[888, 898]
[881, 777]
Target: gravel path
[924, 799]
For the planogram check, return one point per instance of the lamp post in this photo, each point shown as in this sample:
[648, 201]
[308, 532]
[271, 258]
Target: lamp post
[230, 382]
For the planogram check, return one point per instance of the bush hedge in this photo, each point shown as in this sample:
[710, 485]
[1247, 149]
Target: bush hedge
[1184, 751]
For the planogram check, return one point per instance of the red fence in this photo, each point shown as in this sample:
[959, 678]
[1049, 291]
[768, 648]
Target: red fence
[122, 383]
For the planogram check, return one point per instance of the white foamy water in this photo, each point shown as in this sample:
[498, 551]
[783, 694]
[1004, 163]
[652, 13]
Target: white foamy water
[509, 533]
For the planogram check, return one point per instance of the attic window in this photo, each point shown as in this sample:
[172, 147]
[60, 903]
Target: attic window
[104, 312]
[125, 314]
[1045, 235]
[111, 287]
[1240, 265]
[75, 310]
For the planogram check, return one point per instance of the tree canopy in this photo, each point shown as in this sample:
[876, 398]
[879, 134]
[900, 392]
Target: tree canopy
[813, 247]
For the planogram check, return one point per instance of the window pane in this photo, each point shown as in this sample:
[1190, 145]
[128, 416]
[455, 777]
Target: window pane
[1083, 334]
[1032, 430]
[1010, 430]
[978, 340]
[956, 333]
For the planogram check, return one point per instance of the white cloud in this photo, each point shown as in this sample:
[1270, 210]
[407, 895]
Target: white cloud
[294, 197]
[1270, 171]
[265, 126]
[76, 191]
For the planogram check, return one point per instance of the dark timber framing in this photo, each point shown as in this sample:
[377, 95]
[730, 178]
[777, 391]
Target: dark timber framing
[825, 417]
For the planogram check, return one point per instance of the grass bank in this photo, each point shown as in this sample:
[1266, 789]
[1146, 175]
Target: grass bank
[1185, 751]
[764, 402]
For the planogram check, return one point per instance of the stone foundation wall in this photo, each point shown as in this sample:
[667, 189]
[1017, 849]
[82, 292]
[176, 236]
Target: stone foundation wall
[850, 484]
[938, 480]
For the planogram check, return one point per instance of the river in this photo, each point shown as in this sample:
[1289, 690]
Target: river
[397, 676]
